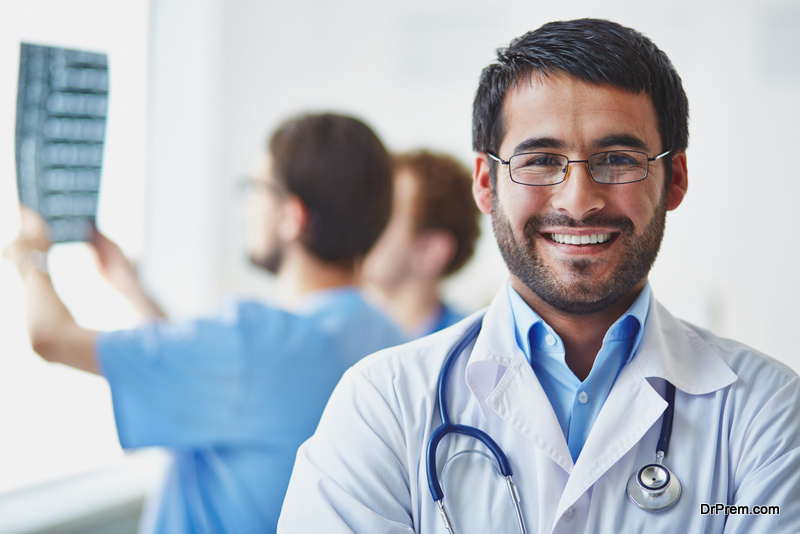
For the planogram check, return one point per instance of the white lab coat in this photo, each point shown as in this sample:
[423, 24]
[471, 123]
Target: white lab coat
[735, 439]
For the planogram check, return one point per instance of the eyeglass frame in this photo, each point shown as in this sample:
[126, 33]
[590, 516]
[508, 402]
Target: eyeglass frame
[248, 184]
[565, 170]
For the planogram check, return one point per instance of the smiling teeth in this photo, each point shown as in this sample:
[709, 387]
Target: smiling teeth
[580, 239]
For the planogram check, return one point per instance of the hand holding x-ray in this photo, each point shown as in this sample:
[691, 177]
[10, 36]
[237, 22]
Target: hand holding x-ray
[62, 102]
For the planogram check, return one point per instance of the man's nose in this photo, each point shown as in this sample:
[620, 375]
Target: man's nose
[578, 196]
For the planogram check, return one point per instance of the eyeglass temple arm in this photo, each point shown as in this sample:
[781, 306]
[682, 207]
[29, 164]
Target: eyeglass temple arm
[500, 161]
[659, 156]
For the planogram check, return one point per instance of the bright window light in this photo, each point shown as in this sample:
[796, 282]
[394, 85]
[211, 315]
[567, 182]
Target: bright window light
[55, 421]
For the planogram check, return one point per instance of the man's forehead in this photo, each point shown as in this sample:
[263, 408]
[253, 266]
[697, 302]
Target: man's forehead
[547, 107]
[264, 169]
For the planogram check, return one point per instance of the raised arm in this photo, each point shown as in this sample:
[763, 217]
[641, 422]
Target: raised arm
[118, 271]
[54, 334]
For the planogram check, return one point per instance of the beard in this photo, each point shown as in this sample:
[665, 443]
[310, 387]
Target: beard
[271, 261]
[576, 291]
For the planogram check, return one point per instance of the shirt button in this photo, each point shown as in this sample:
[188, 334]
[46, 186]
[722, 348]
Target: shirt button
[550, 339]
[570, 513]
[583, 397]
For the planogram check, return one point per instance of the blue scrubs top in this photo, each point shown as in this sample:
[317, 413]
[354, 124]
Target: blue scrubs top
[445, 316]
[233, 397]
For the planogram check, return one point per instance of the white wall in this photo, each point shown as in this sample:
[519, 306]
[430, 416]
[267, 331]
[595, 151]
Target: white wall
[184, 145]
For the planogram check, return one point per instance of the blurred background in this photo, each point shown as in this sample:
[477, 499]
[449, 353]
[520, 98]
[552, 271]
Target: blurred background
[196, 86]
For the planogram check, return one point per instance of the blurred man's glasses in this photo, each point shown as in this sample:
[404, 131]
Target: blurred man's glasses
[248, 184]
[612, 167]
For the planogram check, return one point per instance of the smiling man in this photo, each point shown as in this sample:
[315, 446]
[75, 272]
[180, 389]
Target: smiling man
[575, 392]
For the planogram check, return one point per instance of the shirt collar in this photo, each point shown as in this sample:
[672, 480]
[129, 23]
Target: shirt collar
[525, 319]
[632, 321]
[325, 298]
[669, 349]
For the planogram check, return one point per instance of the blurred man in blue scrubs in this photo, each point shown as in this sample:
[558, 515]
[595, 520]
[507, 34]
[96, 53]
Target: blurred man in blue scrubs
[431, 235]
[234, 395]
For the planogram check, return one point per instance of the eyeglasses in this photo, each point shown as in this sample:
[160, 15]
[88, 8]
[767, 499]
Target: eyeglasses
[248, 184]
[612, 167]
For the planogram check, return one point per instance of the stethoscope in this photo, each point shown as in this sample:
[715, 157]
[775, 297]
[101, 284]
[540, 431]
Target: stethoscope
[653, 488]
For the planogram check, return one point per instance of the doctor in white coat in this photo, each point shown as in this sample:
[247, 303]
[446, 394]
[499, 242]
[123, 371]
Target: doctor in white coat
[580, 130]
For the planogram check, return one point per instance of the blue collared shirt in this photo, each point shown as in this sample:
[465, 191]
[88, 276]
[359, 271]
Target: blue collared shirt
[577, 403]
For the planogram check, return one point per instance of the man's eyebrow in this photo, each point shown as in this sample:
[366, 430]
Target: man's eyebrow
[534, 144]
[538, 143]
[625, 140]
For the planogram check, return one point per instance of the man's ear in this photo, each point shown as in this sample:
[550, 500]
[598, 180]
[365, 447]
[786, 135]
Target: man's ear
[680, 181]
[432, 253]
[482, 183]
[294, 218]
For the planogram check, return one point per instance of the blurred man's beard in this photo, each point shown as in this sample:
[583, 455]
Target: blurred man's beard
[271, 261]
[573, 290]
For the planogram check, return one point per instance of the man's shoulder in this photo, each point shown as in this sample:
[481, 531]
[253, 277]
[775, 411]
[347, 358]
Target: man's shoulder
[752, 367]
[422, 356]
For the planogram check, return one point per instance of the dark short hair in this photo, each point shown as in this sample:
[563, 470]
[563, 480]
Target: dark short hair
[443, 200]
[596, 51]
[342, 173]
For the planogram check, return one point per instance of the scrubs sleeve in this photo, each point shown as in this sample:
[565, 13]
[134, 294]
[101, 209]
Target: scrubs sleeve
[351, 475]
[175, 385]
[768, 470]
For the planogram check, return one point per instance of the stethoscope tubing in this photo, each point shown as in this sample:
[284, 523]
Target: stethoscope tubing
[666, 427]
[447, 427]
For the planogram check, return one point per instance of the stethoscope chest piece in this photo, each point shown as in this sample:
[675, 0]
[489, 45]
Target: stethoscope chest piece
[654, 488]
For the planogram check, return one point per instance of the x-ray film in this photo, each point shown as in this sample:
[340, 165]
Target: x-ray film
[62, 101]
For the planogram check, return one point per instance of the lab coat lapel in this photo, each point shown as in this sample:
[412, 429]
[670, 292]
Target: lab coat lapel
[671, 350]
[633, 406]
[502, 380]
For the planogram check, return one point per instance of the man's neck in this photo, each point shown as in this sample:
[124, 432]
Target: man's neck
[582, 334]
[409, 304]
[302, 273]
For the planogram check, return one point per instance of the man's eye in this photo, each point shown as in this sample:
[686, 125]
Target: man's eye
[541, 160]
[619, 159]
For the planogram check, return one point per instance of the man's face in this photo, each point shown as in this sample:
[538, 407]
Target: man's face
[623, 223]
[390, 261]
[263, 209]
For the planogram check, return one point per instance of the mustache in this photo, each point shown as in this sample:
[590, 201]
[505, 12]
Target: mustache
[621, 223]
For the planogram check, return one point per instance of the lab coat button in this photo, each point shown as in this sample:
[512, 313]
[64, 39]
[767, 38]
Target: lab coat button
[570, 513]
[583, 397]
[550, 339]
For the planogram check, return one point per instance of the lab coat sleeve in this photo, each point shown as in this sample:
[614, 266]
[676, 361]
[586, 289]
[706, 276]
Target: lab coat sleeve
[352, 474]
[767, 471]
